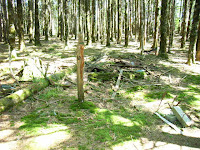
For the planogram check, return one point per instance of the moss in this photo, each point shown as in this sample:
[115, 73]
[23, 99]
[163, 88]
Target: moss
[85, 105]
[100, 76]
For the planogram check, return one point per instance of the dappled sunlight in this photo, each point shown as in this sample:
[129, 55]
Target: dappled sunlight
[121, 120]
[6, 133]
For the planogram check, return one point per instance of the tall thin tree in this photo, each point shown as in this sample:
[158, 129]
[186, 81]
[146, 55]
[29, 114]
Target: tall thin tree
[193, 33]
[183, 25]
[163, 30]
[20, 25]
[37, 25]
[119, 37]
[126, 23]
[108, 24]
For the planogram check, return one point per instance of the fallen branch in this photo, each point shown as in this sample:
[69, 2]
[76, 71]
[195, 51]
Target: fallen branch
[169, 123]
[19, 96]
[117, 84]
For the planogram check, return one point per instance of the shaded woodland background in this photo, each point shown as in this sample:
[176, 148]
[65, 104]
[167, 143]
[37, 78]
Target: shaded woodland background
[104, 21]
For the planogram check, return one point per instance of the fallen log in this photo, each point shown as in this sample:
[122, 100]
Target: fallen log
[19, 96]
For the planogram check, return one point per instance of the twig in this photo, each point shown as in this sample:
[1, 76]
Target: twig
[164, 94]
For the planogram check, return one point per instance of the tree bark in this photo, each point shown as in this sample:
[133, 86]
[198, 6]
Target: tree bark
[141, 27]
[37, 25]
[198, 45]
[46, 22]
[183, 25]
[30, 20]
[163, 30]
[12, 31]
[119, 38]
[172, 25]
[1, 18]
[80, 68]
[65, 7]
[20, 25]
[126, 24]
[193, 33]
[5, 22]
[87, 12]
[93, 20]
[155, 39]
[108, 24]
[189, 19]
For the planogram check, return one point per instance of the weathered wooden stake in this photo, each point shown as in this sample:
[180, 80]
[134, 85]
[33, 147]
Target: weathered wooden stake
[80, 67]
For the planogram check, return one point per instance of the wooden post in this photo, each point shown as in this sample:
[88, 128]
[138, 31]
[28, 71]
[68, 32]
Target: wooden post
[80, 67]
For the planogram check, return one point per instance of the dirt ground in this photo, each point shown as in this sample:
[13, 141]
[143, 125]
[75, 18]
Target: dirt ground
[157, 136]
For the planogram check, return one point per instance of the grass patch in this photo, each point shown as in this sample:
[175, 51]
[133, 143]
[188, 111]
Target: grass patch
[51, 92]
[102, 76]
[85, 105]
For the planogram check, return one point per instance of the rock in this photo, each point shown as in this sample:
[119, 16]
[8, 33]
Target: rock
[33, 69]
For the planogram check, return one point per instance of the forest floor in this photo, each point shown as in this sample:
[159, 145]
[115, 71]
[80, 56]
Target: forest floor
[52, 118]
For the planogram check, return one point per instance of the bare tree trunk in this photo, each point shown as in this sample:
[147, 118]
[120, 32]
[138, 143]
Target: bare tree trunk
[119, 37]
[183, 26]
[172, 25]
[189, 19]
[155, 40]
[12, 31]
[193, 33]
[108, 24]
[87, 11]
[65, 8]
[103, 24]
[46, 20]
[30, 20]
[93, 20]
[179, 25]
[20, 25]
[37, 25]
[58, 34]
[5, 22]
[126, 24]
[141, 27]
[1, 18]
[163, 30]
[198, 45]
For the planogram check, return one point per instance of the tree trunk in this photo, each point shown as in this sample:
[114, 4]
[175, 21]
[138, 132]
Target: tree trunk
[87, 12]
[103, 24]
[198, 45]
[46, 22]
[163, 30]
[119, 38]
[179, 24]
[20, 25]
[65, 7]
[126, 23]
[93, 20]
[37, 25]
[141, 27]
[58, 34]
[193, 33]
[189, 19]
[12, 31]
[5, 22]
[155, 39]
[183, 26]
[30, 20]
[1, 18]
[108, 24]
[172, 25]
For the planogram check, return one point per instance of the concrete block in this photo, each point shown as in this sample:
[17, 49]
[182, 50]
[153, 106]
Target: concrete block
[181, 116]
